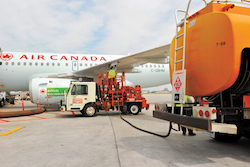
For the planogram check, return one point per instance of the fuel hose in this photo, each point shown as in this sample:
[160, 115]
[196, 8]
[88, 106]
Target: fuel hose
[152, 133]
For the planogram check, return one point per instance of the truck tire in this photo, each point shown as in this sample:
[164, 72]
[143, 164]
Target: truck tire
[89, 110]
[1, 103]
[11, 101]
[227, 138]
[134, 109]
[124, 109]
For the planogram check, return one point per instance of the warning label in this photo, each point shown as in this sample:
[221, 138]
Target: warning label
[177, 84]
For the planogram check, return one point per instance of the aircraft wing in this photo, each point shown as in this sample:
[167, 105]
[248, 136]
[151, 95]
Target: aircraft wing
[157, 55]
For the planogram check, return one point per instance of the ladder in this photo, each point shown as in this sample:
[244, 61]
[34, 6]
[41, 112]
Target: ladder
[180, 47]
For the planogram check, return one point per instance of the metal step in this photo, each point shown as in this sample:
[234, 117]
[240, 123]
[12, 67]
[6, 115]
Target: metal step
[179, 48]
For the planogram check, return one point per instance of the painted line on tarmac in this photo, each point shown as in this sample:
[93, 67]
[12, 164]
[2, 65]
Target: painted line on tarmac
[54, 113]
[4, 120]
[37, 117]
[23, 120]
[10, 131]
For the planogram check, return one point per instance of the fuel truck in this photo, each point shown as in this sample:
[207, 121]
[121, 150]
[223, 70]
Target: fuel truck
[210, 60]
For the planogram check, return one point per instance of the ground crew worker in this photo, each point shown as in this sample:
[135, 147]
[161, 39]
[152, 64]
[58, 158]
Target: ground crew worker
[188, 99]
[112, 73]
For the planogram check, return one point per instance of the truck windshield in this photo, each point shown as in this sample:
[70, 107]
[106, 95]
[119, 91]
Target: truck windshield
[73, 91]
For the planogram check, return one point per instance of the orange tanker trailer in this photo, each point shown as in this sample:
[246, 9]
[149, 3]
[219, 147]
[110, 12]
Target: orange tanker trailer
[214, 45]
[217, 45]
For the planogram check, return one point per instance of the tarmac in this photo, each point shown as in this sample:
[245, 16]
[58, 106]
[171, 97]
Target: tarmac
[56, 138]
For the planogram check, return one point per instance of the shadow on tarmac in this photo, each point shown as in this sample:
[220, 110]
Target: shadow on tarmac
[178, 150]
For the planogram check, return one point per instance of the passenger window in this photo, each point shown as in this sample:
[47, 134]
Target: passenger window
[90, 64]
[146, 66]
[53, 64]
[154, 66]
[86, 64]
[13, 63]
[36, 64]
[66, 64]
[30, 64]
[73, 91]
[18, 63]
[81, 64]
[58, 64]
[162, 66]
[6, 63]
[41, 64]
[150, 66]
[47, 64]
[24, 63]
[0, 63]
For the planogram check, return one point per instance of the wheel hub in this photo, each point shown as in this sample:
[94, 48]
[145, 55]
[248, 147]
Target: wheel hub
[90, 110]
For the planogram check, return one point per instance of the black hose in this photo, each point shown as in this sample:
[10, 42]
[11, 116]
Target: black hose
[152, 133]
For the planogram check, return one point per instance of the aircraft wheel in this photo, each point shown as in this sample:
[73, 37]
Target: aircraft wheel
[134, 109]
[89, 110]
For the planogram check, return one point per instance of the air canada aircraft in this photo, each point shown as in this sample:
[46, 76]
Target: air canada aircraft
[47, 75]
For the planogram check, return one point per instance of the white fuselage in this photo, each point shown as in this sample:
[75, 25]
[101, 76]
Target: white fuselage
[18, 68]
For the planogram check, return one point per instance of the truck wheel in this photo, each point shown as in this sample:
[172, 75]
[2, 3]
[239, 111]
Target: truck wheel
[124, 109]
[89, 110]
[1, 103]
[11, 101]
[134, 108]
[227, 138]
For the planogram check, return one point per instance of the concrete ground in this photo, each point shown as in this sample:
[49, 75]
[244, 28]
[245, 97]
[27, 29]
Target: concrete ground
[56, 138]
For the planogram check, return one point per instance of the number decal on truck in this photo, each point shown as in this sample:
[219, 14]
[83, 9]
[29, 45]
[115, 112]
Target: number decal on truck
[221, 43]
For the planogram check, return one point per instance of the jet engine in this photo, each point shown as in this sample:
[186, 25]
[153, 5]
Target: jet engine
[48, 90]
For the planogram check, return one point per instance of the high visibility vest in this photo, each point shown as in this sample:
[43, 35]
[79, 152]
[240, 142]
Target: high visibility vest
[188, 99]
[112, 73]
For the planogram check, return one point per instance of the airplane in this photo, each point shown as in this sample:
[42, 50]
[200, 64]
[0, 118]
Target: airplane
[47, 75]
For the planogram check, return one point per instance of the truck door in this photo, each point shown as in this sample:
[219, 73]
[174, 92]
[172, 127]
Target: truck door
[78, 96]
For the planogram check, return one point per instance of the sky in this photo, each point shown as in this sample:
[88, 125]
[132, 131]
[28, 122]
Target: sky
[89, 26]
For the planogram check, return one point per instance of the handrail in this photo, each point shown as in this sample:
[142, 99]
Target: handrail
[186, 11]
[176, 18]
[245, 2]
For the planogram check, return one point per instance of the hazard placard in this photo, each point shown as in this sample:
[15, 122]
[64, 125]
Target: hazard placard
[178, 86]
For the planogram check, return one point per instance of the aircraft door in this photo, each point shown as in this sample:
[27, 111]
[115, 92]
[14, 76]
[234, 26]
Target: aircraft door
[75, 66]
